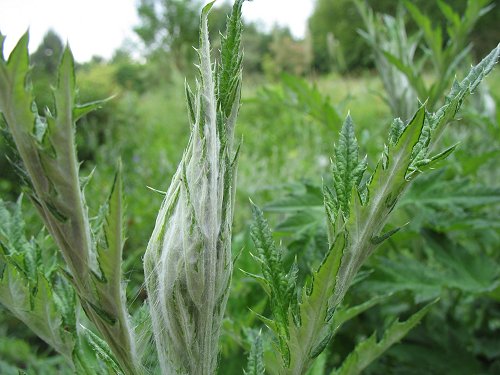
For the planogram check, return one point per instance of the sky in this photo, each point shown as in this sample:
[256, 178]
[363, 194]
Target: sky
[98, 27]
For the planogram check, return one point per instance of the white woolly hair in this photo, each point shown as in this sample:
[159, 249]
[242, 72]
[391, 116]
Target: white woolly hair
[188, 264]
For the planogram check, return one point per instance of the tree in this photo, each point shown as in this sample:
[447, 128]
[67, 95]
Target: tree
[170, 26]
[46, 57]
[45, 60]
[340, 19]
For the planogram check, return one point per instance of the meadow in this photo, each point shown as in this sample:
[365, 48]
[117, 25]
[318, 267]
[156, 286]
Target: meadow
[422, 295]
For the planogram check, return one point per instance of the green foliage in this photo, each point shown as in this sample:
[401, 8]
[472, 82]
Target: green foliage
[440, 240]
[286, 55]
[357, 214]
[255, 365]
[47, 149]
[279, 286]
[448, 266]
[347, 171]
[368, 350]
[31, 286]
[456, 204]
[170, 25]
[388, 35]
[395, 52]
[347, 22]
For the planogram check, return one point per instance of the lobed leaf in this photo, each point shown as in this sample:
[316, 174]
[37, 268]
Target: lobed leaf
[347, 169]
[312, 331]
[280, 284]
[30, 287]
[255, 365]
[370, 349]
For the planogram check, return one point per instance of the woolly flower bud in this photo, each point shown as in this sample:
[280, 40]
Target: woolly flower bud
[188, 265]
[188, 262]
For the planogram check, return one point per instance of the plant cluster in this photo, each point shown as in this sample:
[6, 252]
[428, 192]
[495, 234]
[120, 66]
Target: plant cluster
[75, 299]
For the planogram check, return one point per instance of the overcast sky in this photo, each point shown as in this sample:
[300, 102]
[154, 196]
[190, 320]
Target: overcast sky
[98, 27]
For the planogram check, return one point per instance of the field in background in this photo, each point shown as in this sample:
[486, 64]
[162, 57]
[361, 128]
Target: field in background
[287, 130]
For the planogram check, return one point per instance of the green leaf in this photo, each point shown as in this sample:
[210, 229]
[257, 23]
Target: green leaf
[404, 148]
[30, 287]
[376, 240]
[347, 169]
[255, 365]
[229, 74]
[110, 248]
[423, 165]
[449, 265]
[370, 349]
[319, 365]
[47, 149]
[433, 37]
[444, 204]
[397, 129]
[80, 110]
[478, 72]
[309, 338]
[280, 284]
[451, 16]
[102, 350]
[345, 314]
[309, 99]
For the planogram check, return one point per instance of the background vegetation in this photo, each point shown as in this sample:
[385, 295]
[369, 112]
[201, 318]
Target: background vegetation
[295, 94]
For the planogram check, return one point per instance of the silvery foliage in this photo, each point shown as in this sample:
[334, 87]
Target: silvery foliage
[48, 163]
[188, 262]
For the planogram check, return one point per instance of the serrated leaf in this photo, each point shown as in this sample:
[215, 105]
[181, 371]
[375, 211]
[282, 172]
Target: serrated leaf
[308, 339]
[102, 350]
[444, 203]
[370, 349]
[450, 266]
[423, 165]
[255, 365]
[403, 150]
[48, 153]
[29, 288]
[397, 129]
[110, 248]
[230, 67]
[280, 284]
[347, 169]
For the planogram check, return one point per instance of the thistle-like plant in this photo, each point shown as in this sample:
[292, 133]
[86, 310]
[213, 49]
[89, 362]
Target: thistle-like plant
[48, 162]
[31, 286]
[395, 52]
[387, 34]
[357, 209]
[188, 262]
